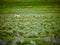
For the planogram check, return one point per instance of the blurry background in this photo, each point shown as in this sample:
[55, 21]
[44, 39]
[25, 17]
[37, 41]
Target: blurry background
[30, 22]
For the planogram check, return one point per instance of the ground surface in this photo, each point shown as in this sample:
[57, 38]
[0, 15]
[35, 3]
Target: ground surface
[29, 25]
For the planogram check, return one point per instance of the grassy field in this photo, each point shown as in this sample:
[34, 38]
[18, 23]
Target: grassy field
[29, 23]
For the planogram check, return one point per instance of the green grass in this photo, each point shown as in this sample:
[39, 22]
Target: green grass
[29, 21]
[29, 25]
[31, 0]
